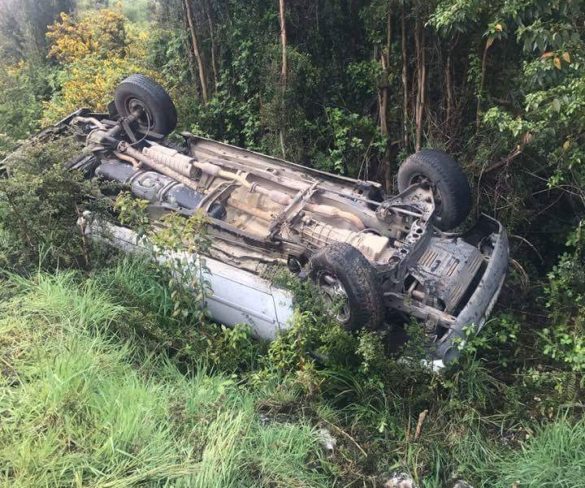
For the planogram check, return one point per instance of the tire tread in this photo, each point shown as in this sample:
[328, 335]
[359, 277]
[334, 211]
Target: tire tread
[359, 279]
[446, 173]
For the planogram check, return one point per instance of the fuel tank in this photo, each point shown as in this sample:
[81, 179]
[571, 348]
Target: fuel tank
[156, 187]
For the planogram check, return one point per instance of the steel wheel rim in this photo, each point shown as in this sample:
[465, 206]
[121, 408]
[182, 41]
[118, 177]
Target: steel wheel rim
[145, 120]
[335, 295]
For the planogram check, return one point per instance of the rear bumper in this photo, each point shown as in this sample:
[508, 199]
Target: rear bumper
[479, 306]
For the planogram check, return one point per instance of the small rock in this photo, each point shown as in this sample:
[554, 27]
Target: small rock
[400, 480]
[327, 440]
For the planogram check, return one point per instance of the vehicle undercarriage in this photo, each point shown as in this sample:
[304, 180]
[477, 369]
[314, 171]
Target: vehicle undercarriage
[377, 253]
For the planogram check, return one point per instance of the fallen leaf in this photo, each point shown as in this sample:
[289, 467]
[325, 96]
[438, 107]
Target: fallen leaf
[557, 63]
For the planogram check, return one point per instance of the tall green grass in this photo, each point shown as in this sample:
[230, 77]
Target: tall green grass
[85, 400]
[79, 407]
[553, 456]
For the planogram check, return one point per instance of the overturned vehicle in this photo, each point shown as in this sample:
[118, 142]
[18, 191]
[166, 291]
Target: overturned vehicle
[377, 255]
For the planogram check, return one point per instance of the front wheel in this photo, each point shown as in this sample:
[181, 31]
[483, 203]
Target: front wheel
[451, 190]
[349, 285]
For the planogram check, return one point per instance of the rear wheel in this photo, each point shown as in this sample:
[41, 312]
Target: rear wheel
[349, 284]
[451, 190]
[141, 93]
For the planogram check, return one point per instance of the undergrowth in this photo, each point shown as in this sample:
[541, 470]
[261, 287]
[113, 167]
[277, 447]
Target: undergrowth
[40, 203]
[91, 393]
[81, 407]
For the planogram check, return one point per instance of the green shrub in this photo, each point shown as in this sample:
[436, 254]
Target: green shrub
[40, 202]
[564, 339]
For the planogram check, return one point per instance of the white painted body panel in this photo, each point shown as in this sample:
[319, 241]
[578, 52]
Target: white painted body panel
[237, 296]
[242, 297]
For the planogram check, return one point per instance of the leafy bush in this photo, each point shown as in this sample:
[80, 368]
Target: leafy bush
[40, 202]
[355, 142]
[23, 86]
[97, 50]
[99, 32]
[565, 338]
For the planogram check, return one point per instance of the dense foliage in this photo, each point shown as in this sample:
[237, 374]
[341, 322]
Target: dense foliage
[347, 86]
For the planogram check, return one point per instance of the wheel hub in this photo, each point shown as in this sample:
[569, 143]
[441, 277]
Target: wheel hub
[336, 296]
[137, 107]
[423, 180]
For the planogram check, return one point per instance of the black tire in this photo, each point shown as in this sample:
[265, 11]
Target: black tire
[345, 263]
[450, 185]
[160, 112]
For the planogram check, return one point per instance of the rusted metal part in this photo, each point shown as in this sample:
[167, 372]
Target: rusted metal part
[292, 210]
[125, 148]
[183, 168]
[374, 247]
[448, 266]
[89, 120]
[331, 211]
[171, 158]
[255, 212]
[399, 301]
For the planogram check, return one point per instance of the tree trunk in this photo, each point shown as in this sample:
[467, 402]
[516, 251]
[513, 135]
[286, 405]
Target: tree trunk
[213, 47]
[404, 79]
[489, 41]
[383, 97]
[197, 52]
[282, 18]
[284, 68]
[421, 74]
[449, 93]
[191, 60]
